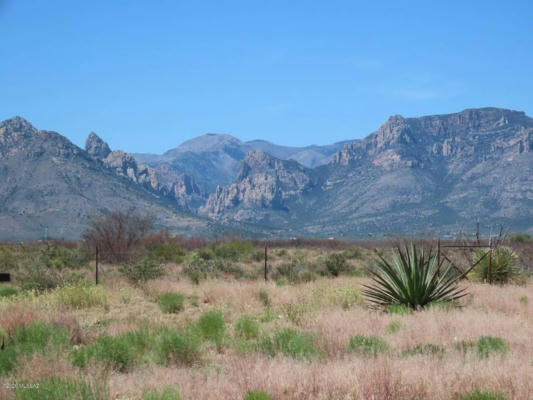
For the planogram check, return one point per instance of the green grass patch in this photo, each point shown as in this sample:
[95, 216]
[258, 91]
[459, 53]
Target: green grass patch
[213, 327]
[118, 352]
[489, 345]
[247, 328]
[425, 350]
[258, 395]
[399, 309]
[393, 327]
[367, 345]
[27, 340]
[171, 303]
[168, 393]
[291, 343]
[8, 291]
[479, 395]
[178, 348]
[80, 297]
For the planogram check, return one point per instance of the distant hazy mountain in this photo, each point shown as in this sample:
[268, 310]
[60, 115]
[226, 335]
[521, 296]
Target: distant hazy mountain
[213, 159]
[49, 186]
[412, 174]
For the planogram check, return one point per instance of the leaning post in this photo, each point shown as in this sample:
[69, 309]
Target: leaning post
[96, 264]
[266, 258]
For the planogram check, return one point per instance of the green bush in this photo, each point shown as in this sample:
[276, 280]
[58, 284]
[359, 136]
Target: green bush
[291, 343]
[353, 253]
[282, 282]
[258, 395]
[166, 252]
[80, 296]
[142, 271]
[367, 345]
[213, 327]
[504, 266]
[8, 258]
[118, 352]
[31, 275]
[171, 302]
[335, 264]
[205, 253]
[247, 328]
[63, 388]
[181, 348]
[479, 395]
[8, 291]
[487, 345]
[168, 393]
[29, 339]
[233, 250]
[425, 350]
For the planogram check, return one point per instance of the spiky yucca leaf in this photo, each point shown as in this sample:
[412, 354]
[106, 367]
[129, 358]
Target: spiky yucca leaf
[412, 279]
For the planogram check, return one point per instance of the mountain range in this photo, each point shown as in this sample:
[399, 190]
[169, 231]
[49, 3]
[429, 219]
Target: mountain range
[439, 173]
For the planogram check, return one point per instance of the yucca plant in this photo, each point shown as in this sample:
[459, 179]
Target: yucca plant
[413, 279]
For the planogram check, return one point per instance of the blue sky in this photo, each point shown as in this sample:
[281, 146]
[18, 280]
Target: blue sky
[148, 75]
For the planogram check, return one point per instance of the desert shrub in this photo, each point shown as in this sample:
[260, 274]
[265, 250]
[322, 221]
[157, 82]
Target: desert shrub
[258, 255]
[353, 253]
[118, 352]
[393, 327]
[142, 271]
[198, 269]
[52, 256]
[282, 282]
[80, 296]
[171, 302]
[64, 388]
[8, 291]
[213, 327]
[168, 393]
[520, 238]
[233, 250]
[118, 234]
[165, 252]
[425, 350]
[258, 395]
[29, 339]
[247, 328]
[412, 279]
[280, 252]
[291, 343]
[206, 253]
[367, 345]
[263, 297]
[504, 266]
[8, 258]
[32, 275]
[297, 272]
[479, 395]
[488, 345]
[296, 312]
[335, 264]
[179, 348]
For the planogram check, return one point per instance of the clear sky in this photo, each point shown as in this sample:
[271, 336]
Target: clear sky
[147, 75]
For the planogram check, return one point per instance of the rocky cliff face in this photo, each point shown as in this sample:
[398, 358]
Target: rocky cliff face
[263, 182]
[412, 174]
[50, 186]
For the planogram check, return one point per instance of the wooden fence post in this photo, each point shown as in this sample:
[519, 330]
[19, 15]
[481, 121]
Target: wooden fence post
[96, 264]
[266, 258]
[489, 270]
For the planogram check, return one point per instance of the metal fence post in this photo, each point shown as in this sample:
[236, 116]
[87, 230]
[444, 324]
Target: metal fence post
[96, 264]
[266, 258]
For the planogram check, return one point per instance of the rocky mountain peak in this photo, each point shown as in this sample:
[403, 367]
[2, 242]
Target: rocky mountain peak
[96, 147]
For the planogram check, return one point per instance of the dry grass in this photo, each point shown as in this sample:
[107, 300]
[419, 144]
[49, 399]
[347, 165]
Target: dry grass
[331, 310]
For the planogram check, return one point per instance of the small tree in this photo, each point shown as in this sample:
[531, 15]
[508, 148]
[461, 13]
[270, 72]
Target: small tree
[118, 233]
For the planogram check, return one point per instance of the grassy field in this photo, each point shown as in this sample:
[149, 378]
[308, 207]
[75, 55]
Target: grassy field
[211, 328]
